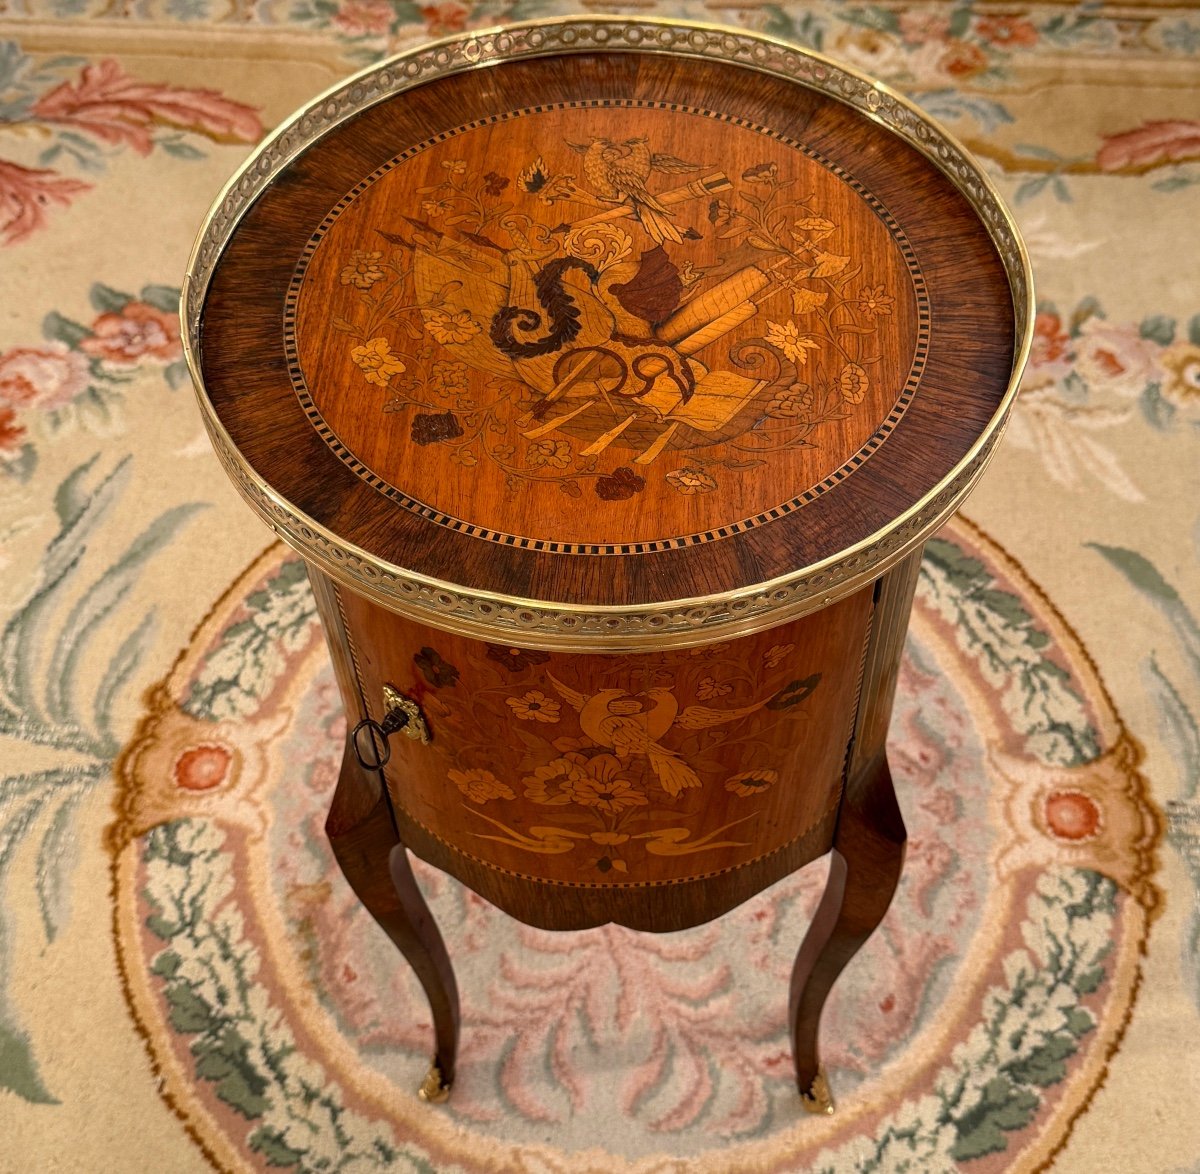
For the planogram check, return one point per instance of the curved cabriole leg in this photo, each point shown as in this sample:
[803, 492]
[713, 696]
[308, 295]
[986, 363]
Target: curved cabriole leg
[360, 831]
[864, 869]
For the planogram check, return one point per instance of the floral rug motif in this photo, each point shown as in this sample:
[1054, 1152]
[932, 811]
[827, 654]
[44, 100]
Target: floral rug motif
[970, 1033]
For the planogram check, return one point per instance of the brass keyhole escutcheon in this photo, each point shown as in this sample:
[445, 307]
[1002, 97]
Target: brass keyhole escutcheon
[402, 713]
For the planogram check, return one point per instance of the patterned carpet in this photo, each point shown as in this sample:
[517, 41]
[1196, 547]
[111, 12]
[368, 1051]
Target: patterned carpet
[185, 980]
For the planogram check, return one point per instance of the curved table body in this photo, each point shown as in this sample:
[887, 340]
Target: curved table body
[610, 377]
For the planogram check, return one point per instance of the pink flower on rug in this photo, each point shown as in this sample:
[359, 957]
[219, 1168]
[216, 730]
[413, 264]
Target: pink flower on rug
[448, 17]
[1050, 340]
[11, 432]
[364, 18]
[1007, 32]
[1116, 358]
[1072, 815]
[201, 768]
[119, 109]
[46, 378]
[138, 332]
[25, 196]
[1051, 354]
[920, 25]
[1151, 145]
[962, 60]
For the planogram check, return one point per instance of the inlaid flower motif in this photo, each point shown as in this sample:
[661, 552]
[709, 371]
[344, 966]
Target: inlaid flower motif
[1181, 363]
[203, 767]
[710, 687]
[438, 672]
[691, 481]
[853, 383]
[619, 485]
[751, 782]
[364, 269]
[534, 177]
[604, 786]
[549, 452]
[794, 692]
[776, 653]
[719, 213]
[796, 402]
[45, 378]
[451, 326]
[479, 785]
[494, 183]
[787, 337]
[875, 301]
[455, 166]
[377, 362]
[433, 208]
[535, 706]
[138, 332]
[447, 376]
[516, 659]
[761, 173]
[431, 427]
[551, 784]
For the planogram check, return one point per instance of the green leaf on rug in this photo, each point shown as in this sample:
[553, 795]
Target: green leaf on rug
[1140, 572]
[176, 375]
[106, 300]
[1002, 1109]
[1088, 308]
[271, 1145]
[225, 1060]
[57, 328]
[995, 627]
[18, 1069]
[161, 297]
[1158, 328]
[23, 465]
[1047, 1065]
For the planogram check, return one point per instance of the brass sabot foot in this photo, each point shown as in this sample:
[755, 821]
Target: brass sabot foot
[818, 1099]
[433, 1088]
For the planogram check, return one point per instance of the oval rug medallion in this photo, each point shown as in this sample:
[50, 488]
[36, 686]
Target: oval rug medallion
[969, 1033]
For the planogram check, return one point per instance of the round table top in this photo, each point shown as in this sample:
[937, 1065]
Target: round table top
[642, 334]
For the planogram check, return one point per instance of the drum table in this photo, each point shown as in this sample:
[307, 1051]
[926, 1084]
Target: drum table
[609, 376]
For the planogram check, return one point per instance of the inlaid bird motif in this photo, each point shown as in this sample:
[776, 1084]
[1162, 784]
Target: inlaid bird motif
[617, 172]
[621, 722]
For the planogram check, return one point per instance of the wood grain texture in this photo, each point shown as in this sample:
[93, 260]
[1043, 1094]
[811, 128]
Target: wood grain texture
[970, 350]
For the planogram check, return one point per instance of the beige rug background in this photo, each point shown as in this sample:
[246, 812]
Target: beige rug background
[1089, 119]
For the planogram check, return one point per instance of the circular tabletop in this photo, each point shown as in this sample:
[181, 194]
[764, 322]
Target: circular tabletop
[602, 334]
